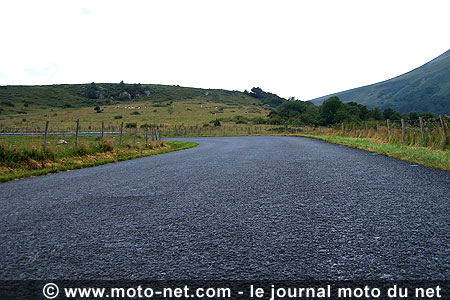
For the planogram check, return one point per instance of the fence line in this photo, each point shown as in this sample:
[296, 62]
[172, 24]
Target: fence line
[408, 132]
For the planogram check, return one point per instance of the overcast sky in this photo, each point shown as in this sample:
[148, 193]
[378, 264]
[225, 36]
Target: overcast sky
[303, 49]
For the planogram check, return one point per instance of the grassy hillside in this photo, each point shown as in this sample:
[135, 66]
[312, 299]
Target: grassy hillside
[14, 99]
[425, 89]
[30, 106]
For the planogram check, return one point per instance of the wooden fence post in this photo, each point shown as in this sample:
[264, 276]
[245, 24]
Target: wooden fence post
[121, 132]
[76, 133]
[378, 127]
[367, 129]
[403, 130]
[388, 122]
[45, 134]
[135, 134]
[343, 128]
[146, 135]
[422, 130]
[103, 129]
[444, 128]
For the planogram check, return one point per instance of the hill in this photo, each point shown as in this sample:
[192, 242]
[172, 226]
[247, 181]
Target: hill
[424, 89]
[30, 106]
[16, 99]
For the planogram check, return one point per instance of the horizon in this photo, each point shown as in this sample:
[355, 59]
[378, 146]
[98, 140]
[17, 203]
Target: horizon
[221, 45]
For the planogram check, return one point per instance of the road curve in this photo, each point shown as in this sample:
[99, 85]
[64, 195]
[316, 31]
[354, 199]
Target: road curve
[231, 208]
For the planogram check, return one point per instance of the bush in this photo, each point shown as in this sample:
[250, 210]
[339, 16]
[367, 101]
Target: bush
[80, 151]
[107, 144]
[117, 117]
[135, 113]
[130, 125]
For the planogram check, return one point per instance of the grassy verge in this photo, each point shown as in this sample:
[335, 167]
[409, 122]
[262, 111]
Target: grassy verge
[428, 157]
[16, 164]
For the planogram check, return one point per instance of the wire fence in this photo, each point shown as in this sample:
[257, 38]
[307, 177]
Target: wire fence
[420, 132]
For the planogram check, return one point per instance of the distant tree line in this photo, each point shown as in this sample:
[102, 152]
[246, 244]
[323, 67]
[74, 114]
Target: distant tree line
[334, 111]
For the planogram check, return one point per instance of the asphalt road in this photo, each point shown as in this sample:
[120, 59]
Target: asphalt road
[231, 208]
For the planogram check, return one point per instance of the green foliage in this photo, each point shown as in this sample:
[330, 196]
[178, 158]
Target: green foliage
[135, 113]
[118, 117]
[266, 98]
[295, 112]
[217, 123]
[332, 111]
[130, 125]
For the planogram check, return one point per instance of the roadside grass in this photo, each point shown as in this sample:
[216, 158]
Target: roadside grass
[22, 157]
[435, 158]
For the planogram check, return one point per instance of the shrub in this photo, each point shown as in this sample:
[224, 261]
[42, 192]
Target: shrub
[130, 125]
[135, 113]
[106, 145]
[80, 151]
[117, 117]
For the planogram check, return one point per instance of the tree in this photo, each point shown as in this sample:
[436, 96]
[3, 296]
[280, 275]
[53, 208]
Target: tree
[391, 114]
[98, 109]
[329, 108]
[257, 92]
[91, 91]
[376, 114]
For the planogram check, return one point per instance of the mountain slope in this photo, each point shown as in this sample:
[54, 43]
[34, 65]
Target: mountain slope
[425, 89]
